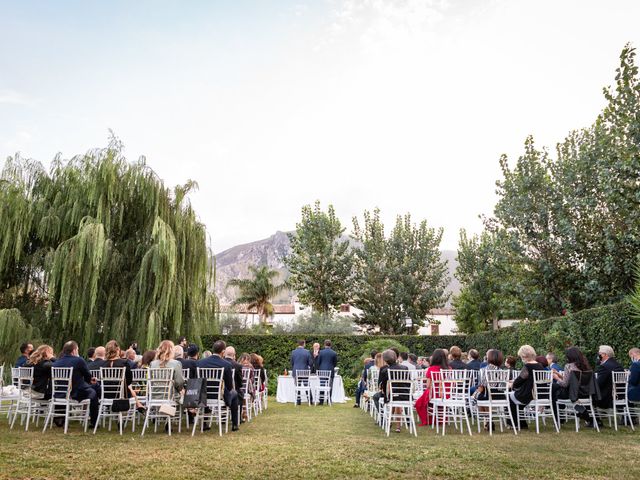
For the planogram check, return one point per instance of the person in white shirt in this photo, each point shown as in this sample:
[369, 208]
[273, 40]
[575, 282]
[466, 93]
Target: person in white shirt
[406, 362]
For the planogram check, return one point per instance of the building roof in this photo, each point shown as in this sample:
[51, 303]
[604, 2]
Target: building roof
[277, 309]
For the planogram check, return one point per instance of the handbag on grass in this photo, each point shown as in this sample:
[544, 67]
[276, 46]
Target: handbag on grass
[167, 410]
[120, 405]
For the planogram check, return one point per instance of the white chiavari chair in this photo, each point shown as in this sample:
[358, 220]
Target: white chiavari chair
[61, 401]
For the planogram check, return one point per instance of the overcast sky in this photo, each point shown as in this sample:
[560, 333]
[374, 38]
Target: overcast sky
[401, 104]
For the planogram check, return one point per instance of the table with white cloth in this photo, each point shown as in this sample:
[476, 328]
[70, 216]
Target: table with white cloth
[286, 389]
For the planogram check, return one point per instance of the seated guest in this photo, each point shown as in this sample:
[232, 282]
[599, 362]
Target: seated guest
[257, 362]
[230, 356]
[41, 360]
[522, 386]
[113, 360]
[413, 359]
[634, 375]
[178, 354]
[82, 383]
[147, 357]
[438, 362]
[230, 395]
[495, 360]
[391, 363]
[608, 365]
[456, 363]
[25, 352]
[405, 361]
[245, 361]
[182, 342]
[474, 362]
[397, 352]
[91, 353]
[130, 355]
[206, 353]
[362, 384]
[164, 359]
[510, 362]
[98, 359]
[552, 361]
[191, 361]
[423, 363]
[576, 362]
[543, 361]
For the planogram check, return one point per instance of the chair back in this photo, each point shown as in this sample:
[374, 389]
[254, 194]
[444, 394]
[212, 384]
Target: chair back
[139, 381]
[302, 378]
[514, 374]
[61, 382]
[455, 384]
[542, 382]
[95, 374]
[24, 378]
[160, 384]
[400, 385]
[185, 373]
[497, 382]
[246, 379]
[620, 386]
[214, 380]
[419, 377]
[14, 376]
[324, 377]
[112, 382]
[257, 380]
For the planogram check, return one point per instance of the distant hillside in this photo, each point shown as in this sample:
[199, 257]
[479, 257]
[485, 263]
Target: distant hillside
[234, 263]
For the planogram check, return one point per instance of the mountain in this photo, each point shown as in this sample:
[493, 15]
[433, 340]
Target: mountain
[235, 262]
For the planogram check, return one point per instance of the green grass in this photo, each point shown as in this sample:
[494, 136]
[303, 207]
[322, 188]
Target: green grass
[316, 443]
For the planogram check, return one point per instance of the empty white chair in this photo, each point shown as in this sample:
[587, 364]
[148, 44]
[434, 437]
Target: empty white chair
[215, 400]
[302, 385]
[9, 394]
[322, 391]
[160, 398]
[621, 406]
[61, 400]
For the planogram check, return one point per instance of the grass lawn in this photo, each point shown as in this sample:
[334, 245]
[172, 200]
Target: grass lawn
[315, 443]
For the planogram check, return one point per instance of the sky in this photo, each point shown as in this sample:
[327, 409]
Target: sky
[405, 105]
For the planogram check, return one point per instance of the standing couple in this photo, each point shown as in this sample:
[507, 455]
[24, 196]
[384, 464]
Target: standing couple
[303, 359]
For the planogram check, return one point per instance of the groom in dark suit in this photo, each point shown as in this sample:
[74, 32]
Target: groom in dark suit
[301, 359]
[327, 360]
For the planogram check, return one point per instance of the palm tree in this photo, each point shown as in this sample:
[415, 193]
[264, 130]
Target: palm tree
[257, 292]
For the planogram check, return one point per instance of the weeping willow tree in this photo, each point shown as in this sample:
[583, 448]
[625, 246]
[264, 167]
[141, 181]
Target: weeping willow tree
[14, 330]
[107, 247]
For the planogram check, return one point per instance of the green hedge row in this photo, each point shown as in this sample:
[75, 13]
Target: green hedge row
[612, 325]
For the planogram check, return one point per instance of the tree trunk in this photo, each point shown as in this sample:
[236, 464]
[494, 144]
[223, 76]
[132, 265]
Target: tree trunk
[495, 323]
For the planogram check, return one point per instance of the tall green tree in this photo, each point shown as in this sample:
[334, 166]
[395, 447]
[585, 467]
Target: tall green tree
[491, 278]
[575, 217]
[110, 250]
[321, 261]
[258, 291]
[398, 276]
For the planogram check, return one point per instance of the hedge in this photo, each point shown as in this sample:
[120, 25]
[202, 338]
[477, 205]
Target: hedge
[612, 325]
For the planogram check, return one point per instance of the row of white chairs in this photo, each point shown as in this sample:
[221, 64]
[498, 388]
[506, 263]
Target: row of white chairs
[452, 404]
[319, 391]
[154, 389]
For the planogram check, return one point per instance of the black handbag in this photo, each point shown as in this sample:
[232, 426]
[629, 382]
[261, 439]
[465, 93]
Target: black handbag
[195, 395]
[120, 405]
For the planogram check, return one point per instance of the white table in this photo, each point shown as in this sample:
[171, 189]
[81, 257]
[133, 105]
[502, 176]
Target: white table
[286, 389]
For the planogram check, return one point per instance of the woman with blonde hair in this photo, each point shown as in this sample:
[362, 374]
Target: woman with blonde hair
[165, 359]
[522, 393]
[41, 360]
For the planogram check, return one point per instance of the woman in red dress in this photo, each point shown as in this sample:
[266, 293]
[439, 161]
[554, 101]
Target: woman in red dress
[438, 362]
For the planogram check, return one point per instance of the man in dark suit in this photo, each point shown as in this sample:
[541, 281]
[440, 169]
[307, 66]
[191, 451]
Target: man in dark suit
[474, 363]
[230, 356]
[608, 365]
[391, 363]
[301, 359]
[230, 395]
[98, 359]
[191, 362]
[25, 352]
[327, 360]
[83, 386]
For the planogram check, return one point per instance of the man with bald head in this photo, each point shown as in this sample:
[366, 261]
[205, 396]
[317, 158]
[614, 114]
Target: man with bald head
[98, 359]
[230, 356]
